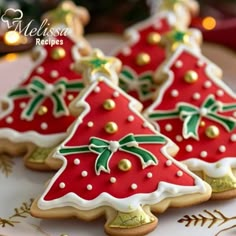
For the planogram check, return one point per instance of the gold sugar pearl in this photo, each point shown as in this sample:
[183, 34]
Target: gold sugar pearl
[124, 165]
[143, 59]
[153, 38]
[111, 127]
[191, 77]
[202, 124]
[174, 46]
[212, 131]
[42, 110]
[58, 53]
[109, 104]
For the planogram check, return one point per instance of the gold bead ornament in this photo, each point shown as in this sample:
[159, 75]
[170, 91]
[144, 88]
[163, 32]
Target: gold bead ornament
[142, 59]
[154, 38]
[111, 127]
[212, 131]
[109, 104]
[58, 53]
[42, 110]
[124, 165]
[190, 77]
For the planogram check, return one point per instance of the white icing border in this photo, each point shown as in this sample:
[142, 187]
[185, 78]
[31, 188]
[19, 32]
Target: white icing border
[192, 163]
[128, 204]
[215, 170]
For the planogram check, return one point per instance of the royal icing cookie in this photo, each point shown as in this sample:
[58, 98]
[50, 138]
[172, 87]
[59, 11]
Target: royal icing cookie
[196, 109]
[143, 52]
[34, 115]
[114, 162]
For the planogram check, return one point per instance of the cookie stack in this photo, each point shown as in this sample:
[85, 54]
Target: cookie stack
[130, 135]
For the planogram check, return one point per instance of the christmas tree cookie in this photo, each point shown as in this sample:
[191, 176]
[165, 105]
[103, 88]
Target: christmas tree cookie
[34, 116]
[143, 52]
[184, 10]
[196, 109]
[114, 162]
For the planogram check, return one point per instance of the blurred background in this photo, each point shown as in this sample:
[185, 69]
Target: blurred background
[111, 16]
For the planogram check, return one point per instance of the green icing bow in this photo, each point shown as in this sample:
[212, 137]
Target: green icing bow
[105, 149]
[143, 84]
[191, 115]
[39, 90]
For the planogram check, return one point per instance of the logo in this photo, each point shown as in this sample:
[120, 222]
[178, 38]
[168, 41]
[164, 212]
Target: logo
[13, 18]
[12, 12]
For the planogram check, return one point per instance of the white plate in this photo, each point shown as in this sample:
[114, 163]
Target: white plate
[21, 184]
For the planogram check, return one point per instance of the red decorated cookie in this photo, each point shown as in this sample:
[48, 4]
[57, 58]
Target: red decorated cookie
[143, 53]
[115, 163]
[35, 115]
[196, 109]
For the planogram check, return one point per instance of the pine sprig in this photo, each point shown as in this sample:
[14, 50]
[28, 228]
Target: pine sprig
[22, 212]
[6, 165]
[209, 218]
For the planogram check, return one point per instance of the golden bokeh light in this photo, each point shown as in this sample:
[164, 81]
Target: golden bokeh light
[209, 23]
[12, 38]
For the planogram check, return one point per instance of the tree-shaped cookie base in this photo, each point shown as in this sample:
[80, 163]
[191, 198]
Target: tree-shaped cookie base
[197, 110]
[115, 163]
[35, 116]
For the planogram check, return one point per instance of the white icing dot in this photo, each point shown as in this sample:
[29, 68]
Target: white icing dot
[112, 180]
[22, 105]
[179, 173]
[203, 111]
[179, 64]
[145, 125]
[116, 94]
[97, 89]
[130, 118]
[126, 51]
[54, 74]
[134, 186]
[40, 70]
[89, 187]
[220, 93]
[233, 138]
[189, 148]
[174, 93]
[48, 89]
[149, 175]
[84, 173]
[90, 124]
[62, 185]
[44, 125]
[207, 84]
[222, 148]
[203, 154]
[70, 97]
[168, 127]
[196, 96]
[179, 138]
[168, 162]
[76, 161]
[200, 63]
[234, 114]
[9, 119]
